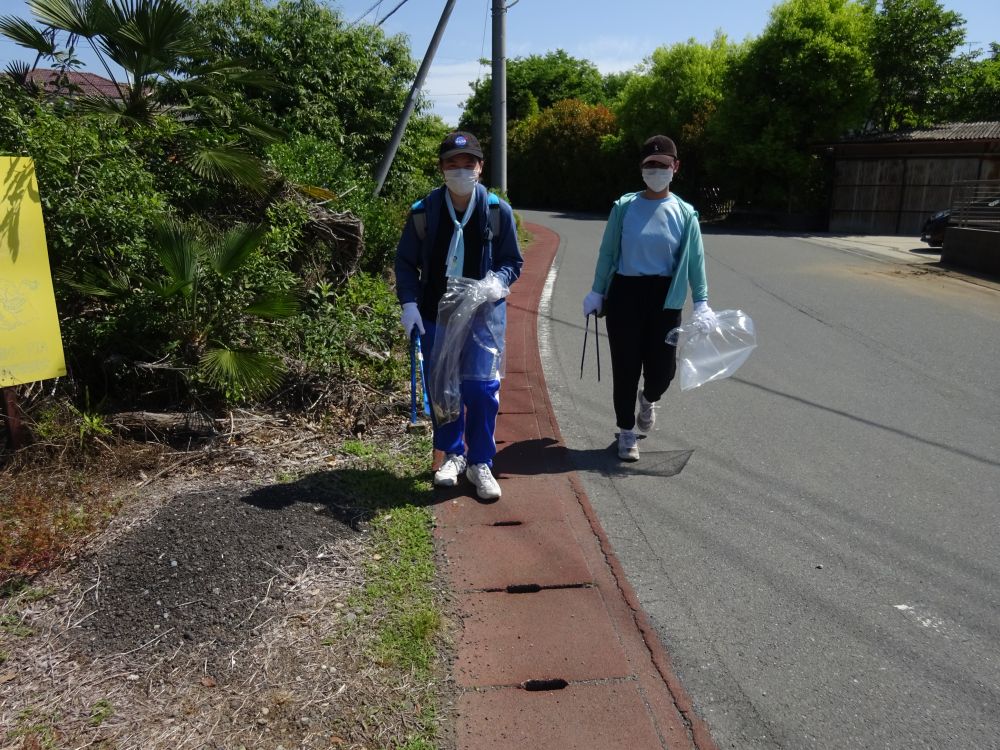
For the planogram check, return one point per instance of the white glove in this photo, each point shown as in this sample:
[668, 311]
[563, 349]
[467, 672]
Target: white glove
[703, 317]
[411, 319]
[493, 287]
[592, 304]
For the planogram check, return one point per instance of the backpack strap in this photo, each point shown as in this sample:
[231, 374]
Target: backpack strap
[418, 213]
[494, 204]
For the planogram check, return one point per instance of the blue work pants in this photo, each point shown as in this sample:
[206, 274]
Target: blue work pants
[476, 425]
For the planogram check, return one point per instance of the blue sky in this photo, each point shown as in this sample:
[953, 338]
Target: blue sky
[614, 36]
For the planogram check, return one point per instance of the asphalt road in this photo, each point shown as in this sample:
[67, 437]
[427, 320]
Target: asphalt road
[815, 538]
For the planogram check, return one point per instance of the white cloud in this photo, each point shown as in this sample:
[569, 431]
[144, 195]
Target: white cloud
[447, 86]
[613, 54]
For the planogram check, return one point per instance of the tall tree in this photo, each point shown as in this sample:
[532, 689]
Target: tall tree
[912, 44]
[615, 83]
[679, 85]
[805, 80]
[677, 94]
[161, 51]
[342, 84]
[971, 88]
[534, 83]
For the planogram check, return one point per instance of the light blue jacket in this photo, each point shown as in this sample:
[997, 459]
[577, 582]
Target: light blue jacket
[690, 264]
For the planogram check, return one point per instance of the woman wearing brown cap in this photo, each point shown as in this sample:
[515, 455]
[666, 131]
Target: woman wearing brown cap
[650, 254]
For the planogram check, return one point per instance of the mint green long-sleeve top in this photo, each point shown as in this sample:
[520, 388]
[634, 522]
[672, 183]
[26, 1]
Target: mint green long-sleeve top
[690, 269]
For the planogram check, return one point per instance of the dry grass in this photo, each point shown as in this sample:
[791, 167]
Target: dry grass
[301, 680]
[305, 677]
[50, 508]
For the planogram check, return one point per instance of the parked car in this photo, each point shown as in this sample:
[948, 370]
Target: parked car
[933, 231]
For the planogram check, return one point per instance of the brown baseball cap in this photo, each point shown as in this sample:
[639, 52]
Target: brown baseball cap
[460, 142]
[658, 148]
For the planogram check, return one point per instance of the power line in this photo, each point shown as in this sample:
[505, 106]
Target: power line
[404, 2]
[486, 25]
[482, 48]
[373, 7]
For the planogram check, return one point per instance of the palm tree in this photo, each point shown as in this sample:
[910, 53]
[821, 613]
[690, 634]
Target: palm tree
[206, 322]
[156, 44]
[210, 333]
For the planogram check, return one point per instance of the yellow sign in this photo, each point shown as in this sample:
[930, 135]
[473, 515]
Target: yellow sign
[30, 344]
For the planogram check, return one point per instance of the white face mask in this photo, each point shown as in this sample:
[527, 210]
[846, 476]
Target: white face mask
[657, 180]
[461, 181]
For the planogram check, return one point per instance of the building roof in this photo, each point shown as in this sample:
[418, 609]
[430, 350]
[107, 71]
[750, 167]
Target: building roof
[945, 131]
[89, 84]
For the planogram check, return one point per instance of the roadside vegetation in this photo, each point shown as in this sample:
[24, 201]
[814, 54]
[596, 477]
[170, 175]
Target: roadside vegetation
[211, 222]
[750, 116]
[223, 278]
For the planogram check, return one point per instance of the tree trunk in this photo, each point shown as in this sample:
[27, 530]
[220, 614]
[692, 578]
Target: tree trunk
[190, 423]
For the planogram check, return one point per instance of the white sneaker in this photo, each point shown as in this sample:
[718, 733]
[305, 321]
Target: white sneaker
[447, 474]
[628, 449]
[646, 417]
[481, 476]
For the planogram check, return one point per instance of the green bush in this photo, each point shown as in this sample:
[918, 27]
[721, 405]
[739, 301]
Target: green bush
[98, 199]
[579, 174]
[351, 332]
[306, 160]
[99, 203]
[106, 182]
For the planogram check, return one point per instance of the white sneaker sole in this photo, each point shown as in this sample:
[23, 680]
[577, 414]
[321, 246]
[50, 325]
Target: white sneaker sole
[445, 481]
[487, 496]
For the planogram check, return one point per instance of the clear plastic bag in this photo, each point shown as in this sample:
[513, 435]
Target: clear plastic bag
[705, 354]
[468, 343]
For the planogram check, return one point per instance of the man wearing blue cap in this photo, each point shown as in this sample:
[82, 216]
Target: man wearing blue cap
[460, 231]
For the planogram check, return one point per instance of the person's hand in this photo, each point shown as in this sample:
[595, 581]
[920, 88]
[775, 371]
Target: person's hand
[411, 319]
[592, 304]
[704, 318]
[493, 288]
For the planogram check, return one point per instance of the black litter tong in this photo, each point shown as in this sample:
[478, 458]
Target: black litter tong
[597, 347]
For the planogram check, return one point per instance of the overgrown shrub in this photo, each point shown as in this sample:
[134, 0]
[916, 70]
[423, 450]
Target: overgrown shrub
[557, 159]
[98, 199]
[309, 161]
[352, 331]
[106, 182]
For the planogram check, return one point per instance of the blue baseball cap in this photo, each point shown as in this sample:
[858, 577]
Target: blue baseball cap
[459, 142]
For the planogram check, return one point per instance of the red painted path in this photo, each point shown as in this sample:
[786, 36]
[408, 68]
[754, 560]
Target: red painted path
[543, 599]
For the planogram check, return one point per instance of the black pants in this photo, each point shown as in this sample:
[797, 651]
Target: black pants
[637, 326]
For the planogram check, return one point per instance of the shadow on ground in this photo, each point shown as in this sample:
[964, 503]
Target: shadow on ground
[547, 456]
[350, 495]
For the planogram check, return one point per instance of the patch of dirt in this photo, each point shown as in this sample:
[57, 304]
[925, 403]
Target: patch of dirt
[203, 569]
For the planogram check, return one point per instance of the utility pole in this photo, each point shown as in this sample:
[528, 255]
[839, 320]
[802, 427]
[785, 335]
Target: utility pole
[411, 100]
[498, 166]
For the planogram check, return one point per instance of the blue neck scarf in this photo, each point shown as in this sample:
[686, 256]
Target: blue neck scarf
[456, 248]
